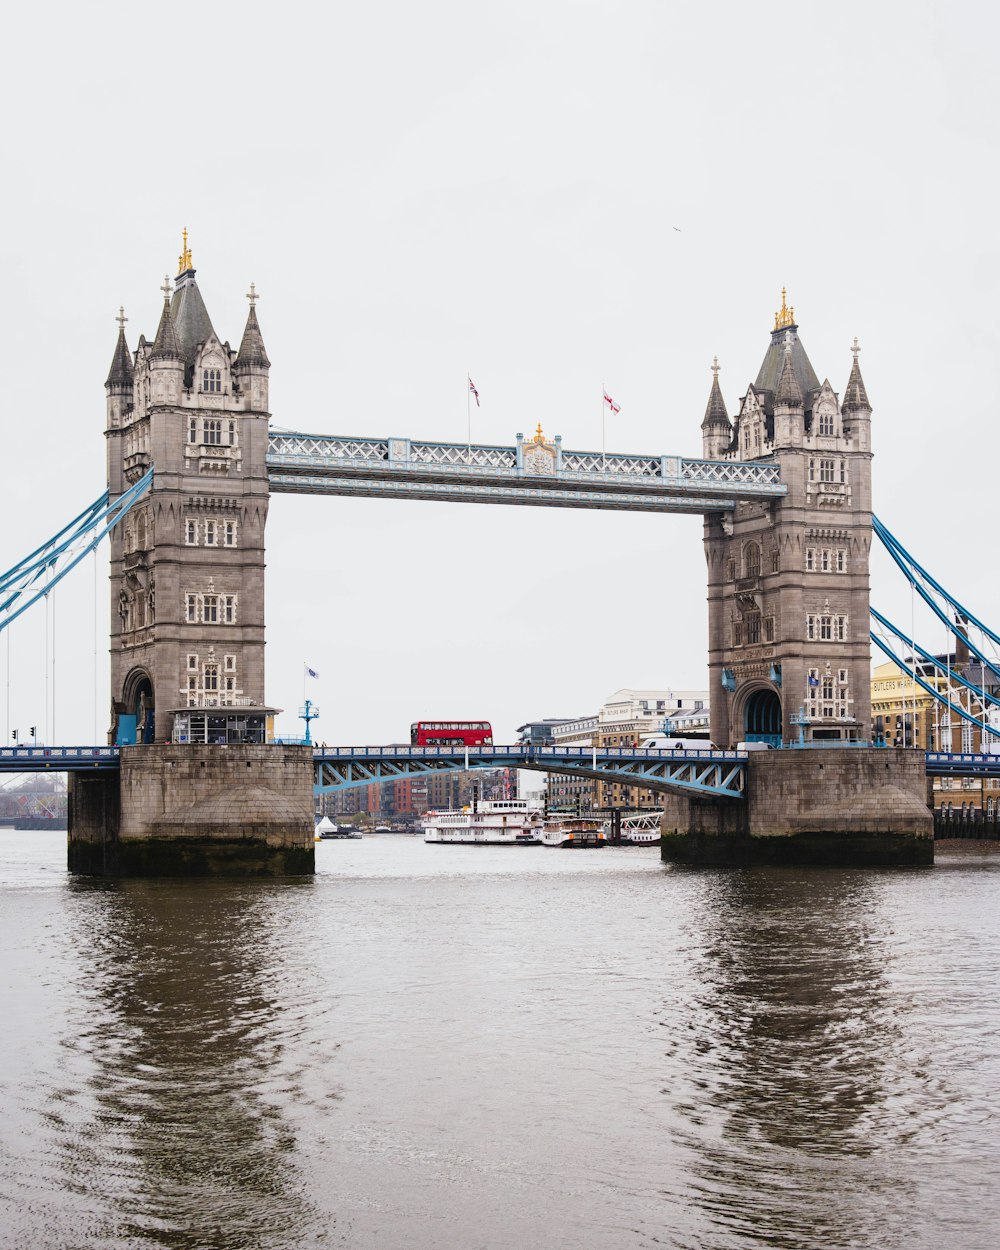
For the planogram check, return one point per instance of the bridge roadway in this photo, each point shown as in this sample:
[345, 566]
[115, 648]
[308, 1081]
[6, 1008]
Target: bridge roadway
[336, 768]
[719, 773]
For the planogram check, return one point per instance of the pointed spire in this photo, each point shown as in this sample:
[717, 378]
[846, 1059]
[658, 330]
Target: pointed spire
[856, 396]
[715, 412]
[788, 391]
[252, 345]
[165, 345]
[121, 372]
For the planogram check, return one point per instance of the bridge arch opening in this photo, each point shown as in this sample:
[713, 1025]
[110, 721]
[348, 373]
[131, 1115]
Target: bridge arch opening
[762, 717]
[136, 723]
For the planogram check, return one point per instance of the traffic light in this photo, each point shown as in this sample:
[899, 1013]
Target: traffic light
[13, 734]
[32, 731]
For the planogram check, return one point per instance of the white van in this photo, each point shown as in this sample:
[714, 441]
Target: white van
[664, 742]
[754, 746]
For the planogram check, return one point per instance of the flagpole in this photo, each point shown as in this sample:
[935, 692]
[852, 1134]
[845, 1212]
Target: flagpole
[468, 417]
[604, 458]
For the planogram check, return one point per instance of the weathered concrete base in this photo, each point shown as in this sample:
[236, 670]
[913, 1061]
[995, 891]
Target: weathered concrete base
[863, 806]
[196, 811]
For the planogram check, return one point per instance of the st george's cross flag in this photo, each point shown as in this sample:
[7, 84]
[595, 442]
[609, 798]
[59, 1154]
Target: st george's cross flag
[472, 388]
[611, 403]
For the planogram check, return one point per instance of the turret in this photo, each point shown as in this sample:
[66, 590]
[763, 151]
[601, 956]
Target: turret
[788, 416]
[716, 428]
[166, 362]
[251, 367]
[856, 408]
[121, 377]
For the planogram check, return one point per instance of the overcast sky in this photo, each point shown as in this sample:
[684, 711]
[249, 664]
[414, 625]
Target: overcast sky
[552, 197]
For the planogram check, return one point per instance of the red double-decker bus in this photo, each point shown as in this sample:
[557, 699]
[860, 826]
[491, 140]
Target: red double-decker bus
[451, 733]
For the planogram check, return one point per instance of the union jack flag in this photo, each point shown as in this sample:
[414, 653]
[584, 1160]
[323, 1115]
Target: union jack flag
[611, 403]
[472, 388]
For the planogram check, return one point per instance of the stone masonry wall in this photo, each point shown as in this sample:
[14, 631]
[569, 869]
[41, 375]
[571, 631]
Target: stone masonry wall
[232, 792]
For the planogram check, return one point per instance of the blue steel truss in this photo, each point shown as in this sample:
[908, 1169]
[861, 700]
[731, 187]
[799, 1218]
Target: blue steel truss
[530, 472]
[936, 597]
[718, 773]
[34, 577]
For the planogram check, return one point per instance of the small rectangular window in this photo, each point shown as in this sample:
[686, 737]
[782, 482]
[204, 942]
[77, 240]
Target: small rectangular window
[230, 533]
[210, 609]
[192, 607]
[824, 561]
[229, 609]
[841, 561]
[810, 559]
[191, 533]
[193, 662]
[826, 470]
[209, 533]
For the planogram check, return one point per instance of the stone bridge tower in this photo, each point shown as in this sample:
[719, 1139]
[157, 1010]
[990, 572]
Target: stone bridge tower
[187, 564]
[788, 580]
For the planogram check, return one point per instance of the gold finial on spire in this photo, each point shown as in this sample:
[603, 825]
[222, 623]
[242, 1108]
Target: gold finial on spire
[539, 436]
[785, 316]
[184, 261]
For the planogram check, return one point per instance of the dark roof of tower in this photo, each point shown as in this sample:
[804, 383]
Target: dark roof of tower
[856, 396]
[166, 345]
[252, 345]
[121, 370]
[190, 316]
[774, 361]
[788, 391]
[715, 412]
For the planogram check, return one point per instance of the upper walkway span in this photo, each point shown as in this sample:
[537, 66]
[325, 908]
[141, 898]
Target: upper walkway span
[533, 471]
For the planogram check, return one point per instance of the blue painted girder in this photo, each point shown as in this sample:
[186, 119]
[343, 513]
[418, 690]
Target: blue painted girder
[57, 759]
[718, 773]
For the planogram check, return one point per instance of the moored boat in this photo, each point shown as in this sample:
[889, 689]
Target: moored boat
[571, 832]
[641, 830]
[499, 822]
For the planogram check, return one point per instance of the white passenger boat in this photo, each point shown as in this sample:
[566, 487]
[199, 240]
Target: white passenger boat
[641, 830]
[573, 831]
[499, 822]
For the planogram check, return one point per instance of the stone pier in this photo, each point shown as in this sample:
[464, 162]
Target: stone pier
[185, 811]
[840, 805]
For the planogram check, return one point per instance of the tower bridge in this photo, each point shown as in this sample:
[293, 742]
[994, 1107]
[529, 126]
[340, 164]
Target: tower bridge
[192, 460]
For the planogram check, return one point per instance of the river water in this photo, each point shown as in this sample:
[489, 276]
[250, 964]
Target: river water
[429, 1047]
